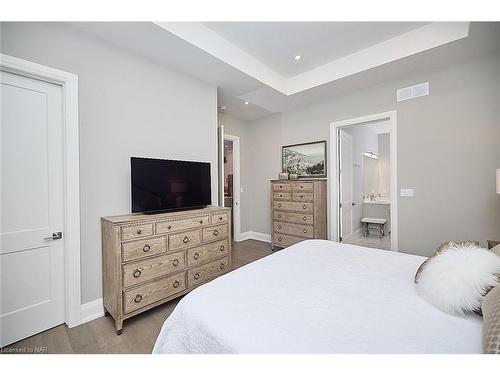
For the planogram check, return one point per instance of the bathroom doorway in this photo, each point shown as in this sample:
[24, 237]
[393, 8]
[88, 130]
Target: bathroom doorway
[364, 204]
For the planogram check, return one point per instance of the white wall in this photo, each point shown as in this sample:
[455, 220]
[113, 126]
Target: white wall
[364, 139]
[447, 151]
[129, 106]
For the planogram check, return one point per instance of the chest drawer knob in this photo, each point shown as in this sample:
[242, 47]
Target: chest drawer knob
[138, 298]
[301, 196]
[304, 207]
[220, 218]
[279, 216]
[304, 230]
[279, 239]
[281, 186]
[175, 284]
[201, 221]
[221, 266]
[185, 239]
[304, 218]
[139, 231]
[221, 248]
[216, 232]
[279, 204]
[169, 227]
[279, 226]
[196, 256]
[175, 262]
[146, 248]
[137, 273]
[281, 195]
[196, 276]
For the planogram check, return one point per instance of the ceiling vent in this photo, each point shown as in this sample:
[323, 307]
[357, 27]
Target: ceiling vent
[422, 89]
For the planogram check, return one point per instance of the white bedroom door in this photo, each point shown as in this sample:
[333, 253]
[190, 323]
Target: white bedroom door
[32, 254]
[346, 185]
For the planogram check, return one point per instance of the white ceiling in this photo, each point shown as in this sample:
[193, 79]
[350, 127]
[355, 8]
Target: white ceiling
[276, 43]
[200, 52]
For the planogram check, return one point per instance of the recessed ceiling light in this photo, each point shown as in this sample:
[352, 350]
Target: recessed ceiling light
[246, 103]
[297, 57]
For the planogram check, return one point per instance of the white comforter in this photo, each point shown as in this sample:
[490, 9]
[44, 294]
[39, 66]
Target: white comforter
[317, 297]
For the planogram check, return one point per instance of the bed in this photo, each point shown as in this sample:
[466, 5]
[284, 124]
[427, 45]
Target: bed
[317, 297]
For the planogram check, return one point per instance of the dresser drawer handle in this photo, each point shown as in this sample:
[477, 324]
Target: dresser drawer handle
[279, 205]
[196, 256]
[216, 232]
[137, 273]
[201, 221]
[220, 218]
[281, 186]
[169, 227]
[175, 284]
[185, 239]
[221, 266]
[138, 298]
[196, 275]
[221, 247]
[301, 196]
[175, 262]
[304, 218]
[279, 226]
[139, 231]
[304, 207]
[279, 239]
[279, 216]
[304, 230]
[146, 248]
[281, 195]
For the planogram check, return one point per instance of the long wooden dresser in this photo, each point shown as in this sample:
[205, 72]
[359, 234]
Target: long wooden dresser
[298, 211]
[151, 259]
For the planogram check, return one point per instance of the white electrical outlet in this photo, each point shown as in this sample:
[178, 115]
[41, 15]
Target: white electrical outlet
[406, 193]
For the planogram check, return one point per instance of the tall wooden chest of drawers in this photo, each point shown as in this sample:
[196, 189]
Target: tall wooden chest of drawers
[298, 211]
[151, 259]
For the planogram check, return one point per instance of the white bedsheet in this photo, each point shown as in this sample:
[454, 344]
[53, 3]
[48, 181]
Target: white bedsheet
[317, 297]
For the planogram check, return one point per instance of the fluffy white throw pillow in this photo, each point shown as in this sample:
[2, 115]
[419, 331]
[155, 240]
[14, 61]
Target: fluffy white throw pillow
[456, 280]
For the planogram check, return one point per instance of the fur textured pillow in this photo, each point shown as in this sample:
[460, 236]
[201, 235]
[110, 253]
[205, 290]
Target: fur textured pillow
[442, 248]
[456, 280]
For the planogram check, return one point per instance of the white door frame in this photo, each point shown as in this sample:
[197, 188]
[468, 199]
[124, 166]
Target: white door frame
[236, 185]
[391, 116]
[69, 84]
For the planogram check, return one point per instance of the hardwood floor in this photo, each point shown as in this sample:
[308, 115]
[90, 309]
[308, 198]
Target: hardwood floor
[139, 333]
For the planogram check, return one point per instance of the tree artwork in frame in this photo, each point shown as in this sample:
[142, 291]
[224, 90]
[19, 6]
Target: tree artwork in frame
[305, 159]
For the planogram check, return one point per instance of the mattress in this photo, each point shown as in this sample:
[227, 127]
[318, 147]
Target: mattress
[317, 297]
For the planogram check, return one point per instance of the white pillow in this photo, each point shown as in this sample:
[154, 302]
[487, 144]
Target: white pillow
[456, 280]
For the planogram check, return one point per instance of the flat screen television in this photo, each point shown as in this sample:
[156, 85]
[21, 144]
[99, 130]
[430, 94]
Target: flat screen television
[167, 185]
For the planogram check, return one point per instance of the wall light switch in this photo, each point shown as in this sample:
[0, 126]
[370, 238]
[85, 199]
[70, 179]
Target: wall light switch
[406, 193]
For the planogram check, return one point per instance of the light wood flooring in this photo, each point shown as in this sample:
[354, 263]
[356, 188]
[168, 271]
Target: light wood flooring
[139, 333]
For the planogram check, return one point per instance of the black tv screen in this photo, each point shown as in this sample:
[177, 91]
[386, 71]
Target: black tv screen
[166, 185]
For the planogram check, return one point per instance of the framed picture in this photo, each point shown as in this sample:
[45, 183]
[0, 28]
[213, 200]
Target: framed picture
[305, 159]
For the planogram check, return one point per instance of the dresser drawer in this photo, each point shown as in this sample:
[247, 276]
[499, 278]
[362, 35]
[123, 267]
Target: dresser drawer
[294, 206]
[184, 239]
[136, 231]
[143, 248]
[294, 229]
[303, 197]
[219, 218]
[205, 253]
[207, 271]
[293, 218]
[278, 186]
[282, 196]
[153, 291]
[181, 224]
[148, 269]
[302, 186]
[215, 233]
[284, 240]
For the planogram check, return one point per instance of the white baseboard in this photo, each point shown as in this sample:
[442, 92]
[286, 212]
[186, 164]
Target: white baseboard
[91, 310]
[251, 235]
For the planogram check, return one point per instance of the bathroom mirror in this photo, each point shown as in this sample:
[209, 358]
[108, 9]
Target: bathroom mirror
[370, 174]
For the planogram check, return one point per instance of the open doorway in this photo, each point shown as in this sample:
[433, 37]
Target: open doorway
[364, 194]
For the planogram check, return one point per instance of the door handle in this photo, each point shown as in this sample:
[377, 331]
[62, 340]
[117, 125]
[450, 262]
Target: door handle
[55, 236]
[353, 204]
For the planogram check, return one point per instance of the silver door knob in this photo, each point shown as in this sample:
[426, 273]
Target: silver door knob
[55, 236]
